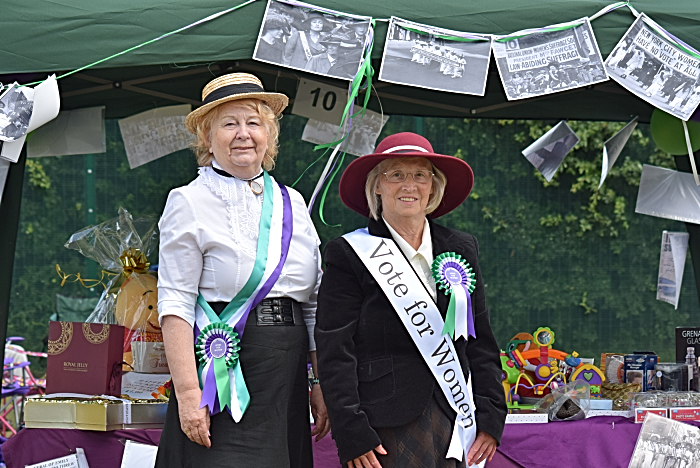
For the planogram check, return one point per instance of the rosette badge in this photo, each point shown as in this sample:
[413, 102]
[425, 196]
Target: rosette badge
[454, 275]
[217, 349]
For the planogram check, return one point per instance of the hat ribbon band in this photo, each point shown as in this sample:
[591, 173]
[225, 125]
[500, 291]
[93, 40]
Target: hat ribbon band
[405, 148]
[230, 90]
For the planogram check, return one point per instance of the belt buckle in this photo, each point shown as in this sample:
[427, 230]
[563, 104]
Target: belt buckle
[272, 312]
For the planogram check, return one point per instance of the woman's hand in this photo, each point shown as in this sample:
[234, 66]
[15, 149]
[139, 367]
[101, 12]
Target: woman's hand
[194, 421]
[368, 460]
[483, 447]
[319, 412]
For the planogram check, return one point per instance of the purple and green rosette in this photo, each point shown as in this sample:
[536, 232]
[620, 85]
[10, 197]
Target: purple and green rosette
[217, 349]
[454, 275]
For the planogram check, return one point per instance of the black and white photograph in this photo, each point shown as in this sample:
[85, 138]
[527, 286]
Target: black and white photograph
[665, 443]
[361, 140]
[435, 58]
[16, 107]
[548, 151]
[313, 39]
[655, 70]
[548, 62]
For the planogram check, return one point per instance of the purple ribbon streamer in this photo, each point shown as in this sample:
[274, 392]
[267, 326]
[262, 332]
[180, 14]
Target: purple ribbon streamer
[287, 228]
[209, 391]
[470, 315]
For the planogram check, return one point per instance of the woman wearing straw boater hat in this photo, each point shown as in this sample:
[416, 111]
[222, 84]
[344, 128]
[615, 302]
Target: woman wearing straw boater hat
[409, 364]
[238, 278]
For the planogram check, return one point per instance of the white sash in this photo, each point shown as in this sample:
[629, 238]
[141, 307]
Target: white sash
[423, 321]
[305, 45]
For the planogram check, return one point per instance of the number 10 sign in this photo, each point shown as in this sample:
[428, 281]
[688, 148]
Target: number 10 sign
[320, 101]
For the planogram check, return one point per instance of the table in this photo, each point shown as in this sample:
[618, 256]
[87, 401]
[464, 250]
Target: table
[105, 449]
[593, 442]
[601, 441]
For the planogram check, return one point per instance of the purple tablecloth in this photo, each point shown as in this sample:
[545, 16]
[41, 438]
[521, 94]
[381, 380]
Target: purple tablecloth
[593, 442]
[105, 450]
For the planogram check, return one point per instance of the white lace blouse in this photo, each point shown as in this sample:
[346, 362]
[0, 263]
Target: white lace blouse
[208, 240]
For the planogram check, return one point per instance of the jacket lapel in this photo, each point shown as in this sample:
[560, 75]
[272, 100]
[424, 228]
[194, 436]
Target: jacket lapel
[439, 246]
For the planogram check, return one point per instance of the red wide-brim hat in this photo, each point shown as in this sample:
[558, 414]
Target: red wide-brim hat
[460, 177]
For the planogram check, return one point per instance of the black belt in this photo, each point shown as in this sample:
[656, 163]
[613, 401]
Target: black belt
[279, 311]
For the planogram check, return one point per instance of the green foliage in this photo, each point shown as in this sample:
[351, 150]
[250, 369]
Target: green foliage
[559, 254]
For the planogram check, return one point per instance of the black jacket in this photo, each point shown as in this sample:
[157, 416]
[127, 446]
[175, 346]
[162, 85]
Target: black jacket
[371, 372]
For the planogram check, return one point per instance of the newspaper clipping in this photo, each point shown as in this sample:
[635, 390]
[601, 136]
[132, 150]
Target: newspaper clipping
[15, 111]
[674, 246]
[308, 38]
[655, 70]
[549, 62]
[548, 152]
[665, 443]
[435, 58]
[361, 140]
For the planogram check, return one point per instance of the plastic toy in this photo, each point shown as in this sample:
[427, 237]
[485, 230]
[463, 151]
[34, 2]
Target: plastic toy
[531, 358]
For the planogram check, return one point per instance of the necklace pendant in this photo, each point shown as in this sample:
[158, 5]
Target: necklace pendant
[255, 187]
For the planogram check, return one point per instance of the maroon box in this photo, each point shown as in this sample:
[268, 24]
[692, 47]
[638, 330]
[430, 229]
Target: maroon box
[85, 358]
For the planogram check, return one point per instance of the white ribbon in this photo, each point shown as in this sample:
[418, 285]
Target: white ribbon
[423, 321]
[690, 152]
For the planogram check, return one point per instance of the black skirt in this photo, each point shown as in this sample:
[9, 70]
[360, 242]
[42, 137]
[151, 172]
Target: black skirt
[274, 431]
[422, 443]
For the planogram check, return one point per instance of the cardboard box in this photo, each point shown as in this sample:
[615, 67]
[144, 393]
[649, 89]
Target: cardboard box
[100, 415]
[84, 358]
[93, 415]
[640, 414]
[687, 337]
[685, 414]
[639, 368]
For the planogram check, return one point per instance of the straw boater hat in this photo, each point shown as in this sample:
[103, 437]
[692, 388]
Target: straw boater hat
[233, 87]
[460, 177]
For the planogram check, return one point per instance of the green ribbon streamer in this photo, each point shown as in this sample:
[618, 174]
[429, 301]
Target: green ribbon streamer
[367, 72]
[223, 385]
[241, 389]
[449, 327]
[260, 258]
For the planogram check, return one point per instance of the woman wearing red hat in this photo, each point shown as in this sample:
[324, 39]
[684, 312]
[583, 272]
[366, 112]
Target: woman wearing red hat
[408, 361]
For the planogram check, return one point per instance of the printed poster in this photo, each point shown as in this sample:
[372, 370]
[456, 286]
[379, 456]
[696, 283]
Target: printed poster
[539, 63]
[435, 58]
[651, 67]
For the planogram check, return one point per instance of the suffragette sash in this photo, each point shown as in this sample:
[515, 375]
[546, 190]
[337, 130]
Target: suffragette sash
[421, 317]
[217, 337]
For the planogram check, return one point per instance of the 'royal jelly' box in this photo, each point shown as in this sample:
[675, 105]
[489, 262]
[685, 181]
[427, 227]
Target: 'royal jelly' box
[684, 414]
[640, 414]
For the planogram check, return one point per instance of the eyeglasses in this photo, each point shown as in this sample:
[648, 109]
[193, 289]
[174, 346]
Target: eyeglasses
[420, 177]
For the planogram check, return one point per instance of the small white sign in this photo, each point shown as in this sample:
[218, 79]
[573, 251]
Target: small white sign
[674, 246]
[76, 460]
[320, 101]
[140, 386]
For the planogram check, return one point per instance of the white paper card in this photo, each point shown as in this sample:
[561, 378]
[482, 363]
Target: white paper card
[674, 246]
[361, 140]
[670, 194]
[16, 104]
[141, 386]
[613, 147]
[156, 133]
[79, 131]
[76, 460]
[320, 101]
[548, 151]
[139, 455]
[47, 103]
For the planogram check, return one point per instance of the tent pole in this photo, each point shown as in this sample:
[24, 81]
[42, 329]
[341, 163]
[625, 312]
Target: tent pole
[683, 164]
[9, 220]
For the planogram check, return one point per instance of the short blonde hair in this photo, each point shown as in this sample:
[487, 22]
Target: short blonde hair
[374, 201]
[269, 120]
